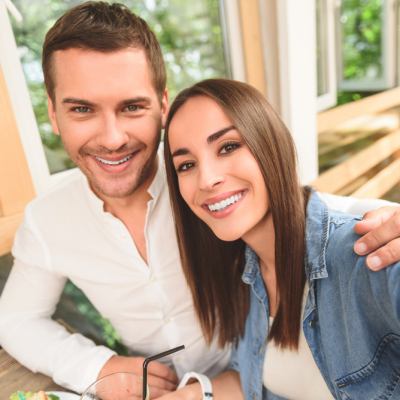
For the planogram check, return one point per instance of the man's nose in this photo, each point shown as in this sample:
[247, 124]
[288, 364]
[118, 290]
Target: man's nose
[113, 134]
[209, 176]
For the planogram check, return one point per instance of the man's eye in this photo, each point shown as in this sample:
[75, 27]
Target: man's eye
[185, 166]
[229, 147]
[81, 109]
[132, 107]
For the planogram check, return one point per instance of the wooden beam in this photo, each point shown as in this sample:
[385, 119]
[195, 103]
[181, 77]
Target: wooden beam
[330, 119]
[16, 187]
[8, 227]
[381, 183]
[252, 43]
[341, 175]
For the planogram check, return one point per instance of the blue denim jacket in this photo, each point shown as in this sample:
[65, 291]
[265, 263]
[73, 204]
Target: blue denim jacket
[351, 317]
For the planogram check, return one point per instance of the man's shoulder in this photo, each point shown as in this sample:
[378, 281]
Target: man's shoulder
[67, 190]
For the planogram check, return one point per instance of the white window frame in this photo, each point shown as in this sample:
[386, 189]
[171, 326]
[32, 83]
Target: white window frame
[22, 106]
[232, 37]
[296, 33]
[388, 55]
[329, 98]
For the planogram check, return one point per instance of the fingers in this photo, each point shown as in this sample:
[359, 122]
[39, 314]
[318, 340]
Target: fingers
[383, 242]
[373, 219]
[160, 383]
[384, 256]
[162, 371]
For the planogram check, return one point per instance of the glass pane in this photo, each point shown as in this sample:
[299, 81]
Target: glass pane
[361, 35]
[322, 48]
[189, 32]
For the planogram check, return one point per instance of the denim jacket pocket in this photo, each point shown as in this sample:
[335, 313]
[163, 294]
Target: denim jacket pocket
[377, 380]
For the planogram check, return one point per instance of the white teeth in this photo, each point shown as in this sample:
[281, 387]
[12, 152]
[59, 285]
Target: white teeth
[117, 162]
[224, 203]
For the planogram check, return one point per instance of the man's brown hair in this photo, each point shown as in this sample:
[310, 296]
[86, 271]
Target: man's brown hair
[100, 26]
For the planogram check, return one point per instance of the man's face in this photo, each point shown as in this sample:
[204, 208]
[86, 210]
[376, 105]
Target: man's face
[109, 117]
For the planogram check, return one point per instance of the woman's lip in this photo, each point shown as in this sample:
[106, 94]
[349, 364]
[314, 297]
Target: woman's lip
[223, 196]
[228, 210]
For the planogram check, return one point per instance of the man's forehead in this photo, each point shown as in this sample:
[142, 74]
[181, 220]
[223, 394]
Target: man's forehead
[92, 73]
[83, 55]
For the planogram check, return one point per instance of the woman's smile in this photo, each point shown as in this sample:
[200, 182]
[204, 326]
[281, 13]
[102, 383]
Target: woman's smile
[222, 205]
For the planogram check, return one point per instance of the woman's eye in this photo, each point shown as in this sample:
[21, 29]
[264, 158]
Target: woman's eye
[81, 109]
[185, 167]
[229, 147]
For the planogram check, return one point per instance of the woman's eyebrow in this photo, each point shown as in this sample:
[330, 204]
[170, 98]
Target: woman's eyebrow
[216, 135]
[212, 138]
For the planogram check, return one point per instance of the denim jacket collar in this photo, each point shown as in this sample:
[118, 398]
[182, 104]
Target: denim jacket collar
[317, 234]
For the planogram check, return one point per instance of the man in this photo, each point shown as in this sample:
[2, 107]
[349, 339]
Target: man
[110, 229]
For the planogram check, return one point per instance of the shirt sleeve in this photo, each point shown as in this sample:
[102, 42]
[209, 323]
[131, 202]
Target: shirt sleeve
[27, 331]
[352, 205]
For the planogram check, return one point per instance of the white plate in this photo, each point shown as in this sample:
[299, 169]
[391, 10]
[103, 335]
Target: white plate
[65, 395]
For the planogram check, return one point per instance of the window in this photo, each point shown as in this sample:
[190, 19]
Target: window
[366, 45]
[191, 36]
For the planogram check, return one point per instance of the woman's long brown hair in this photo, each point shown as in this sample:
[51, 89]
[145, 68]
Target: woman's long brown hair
[213, 268]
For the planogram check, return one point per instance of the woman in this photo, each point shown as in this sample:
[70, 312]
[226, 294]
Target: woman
[271, 269]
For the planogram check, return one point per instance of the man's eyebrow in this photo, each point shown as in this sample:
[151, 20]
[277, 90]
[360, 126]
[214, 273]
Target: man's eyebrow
[74, 100]
[83, 102]
[214, 136]
[133, 100]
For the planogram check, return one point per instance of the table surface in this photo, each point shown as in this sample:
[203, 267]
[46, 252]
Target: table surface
[13, 377]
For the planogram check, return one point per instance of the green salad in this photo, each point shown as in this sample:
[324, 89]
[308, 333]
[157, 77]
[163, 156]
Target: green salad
[33, 396]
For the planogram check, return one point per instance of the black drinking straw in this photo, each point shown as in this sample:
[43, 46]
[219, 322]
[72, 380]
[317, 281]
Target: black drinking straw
[152, 358]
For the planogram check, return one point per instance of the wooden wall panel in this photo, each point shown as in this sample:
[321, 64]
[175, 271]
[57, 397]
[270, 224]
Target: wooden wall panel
[252, 44]
[16, 187]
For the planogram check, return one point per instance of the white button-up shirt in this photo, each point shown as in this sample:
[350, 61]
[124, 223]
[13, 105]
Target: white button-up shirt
[67, 234]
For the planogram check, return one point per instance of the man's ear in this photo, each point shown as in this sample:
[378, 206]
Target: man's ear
[51, 110]
[164, 107]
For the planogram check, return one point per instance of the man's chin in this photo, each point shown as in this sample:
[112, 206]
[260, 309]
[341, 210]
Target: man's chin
[114, 191]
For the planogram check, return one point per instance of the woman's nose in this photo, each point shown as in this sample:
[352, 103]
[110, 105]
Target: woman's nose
[210, 177]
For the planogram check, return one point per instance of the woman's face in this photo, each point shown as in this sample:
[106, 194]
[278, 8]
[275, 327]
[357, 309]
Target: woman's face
[218, 176]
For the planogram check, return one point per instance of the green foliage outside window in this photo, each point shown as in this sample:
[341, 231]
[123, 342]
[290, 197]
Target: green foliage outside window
[361, 32]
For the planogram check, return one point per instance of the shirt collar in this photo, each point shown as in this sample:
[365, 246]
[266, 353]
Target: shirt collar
[251, 267]
[160, 179]
[317, 234]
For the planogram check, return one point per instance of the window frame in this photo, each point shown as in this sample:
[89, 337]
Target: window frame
[388, 43]
[329, 98]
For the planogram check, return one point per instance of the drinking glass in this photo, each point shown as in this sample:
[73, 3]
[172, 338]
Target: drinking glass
[124, 385]
[116, 386]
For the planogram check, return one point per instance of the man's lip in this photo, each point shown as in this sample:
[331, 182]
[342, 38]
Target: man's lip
[115, 157]
[222, 196]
